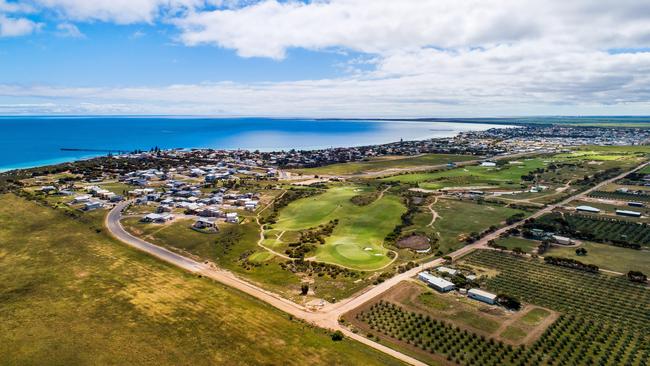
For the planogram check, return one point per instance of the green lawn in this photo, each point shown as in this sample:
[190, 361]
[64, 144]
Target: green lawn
[72, 296]
[607, 257]
[393, 162]
[357, 241]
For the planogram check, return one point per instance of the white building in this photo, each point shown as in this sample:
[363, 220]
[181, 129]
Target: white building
[82, 198]
[489, 164]
[628, 213]
[480, 295]
[157, 218]
[588, 209]
[562, 240]
[205, 223]
[448, 270]
[437, 283]
[232, 217]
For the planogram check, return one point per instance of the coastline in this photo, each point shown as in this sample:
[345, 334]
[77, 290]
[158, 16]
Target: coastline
[263, 134]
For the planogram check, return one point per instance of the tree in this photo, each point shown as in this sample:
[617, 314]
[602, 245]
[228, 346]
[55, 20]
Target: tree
[637, 276]
[337, 336]
[509, 302]
[581, 251]
[304, 289]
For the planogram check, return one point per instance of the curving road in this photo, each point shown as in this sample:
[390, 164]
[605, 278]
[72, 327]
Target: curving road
[328, 316]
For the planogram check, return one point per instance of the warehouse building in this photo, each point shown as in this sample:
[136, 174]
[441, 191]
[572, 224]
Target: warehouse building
[628, 213]
[437, 283]
[588, 209]
[480, 295]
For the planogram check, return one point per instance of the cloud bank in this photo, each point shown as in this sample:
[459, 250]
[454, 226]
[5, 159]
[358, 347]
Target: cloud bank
[418, 57]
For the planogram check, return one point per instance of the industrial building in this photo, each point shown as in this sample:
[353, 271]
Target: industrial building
[437, 283]
[480, 295]
[628, 213]
[588, 209]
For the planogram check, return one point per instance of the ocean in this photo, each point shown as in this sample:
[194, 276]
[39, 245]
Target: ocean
[36, 141]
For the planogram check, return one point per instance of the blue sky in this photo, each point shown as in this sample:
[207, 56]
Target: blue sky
[327, 58]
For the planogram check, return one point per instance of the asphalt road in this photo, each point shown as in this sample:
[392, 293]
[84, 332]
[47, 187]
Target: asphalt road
[328, 316]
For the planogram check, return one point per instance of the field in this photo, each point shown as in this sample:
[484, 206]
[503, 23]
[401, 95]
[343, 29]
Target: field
[458, 219]
[595, 296]
[621, 196]
[70, 295]
[597, 228]
[513, 242]
[607, 257]
[357, 239]
[508, 176]
[384, 163]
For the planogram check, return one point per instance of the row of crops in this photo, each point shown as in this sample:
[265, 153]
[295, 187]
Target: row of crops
[571, 340]
[621, 196]
[595, 296]
[595, 228]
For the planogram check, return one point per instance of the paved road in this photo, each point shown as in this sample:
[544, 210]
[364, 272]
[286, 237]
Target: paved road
[328, 316]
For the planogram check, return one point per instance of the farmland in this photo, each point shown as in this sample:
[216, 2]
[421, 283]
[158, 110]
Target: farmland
[607, 256]
[513, 242]
[571, 340]
[595, 296]
[73, 295]
[384, 163]
[621, 196]
[459, 219]
[596, 228]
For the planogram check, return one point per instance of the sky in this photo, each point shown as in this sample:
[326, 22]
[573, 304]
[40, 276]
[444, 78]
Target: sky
[325, 58]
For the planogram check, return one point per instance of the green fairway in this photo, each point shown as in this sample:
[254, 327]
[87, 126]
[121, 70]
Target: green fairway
[70, 295]
[607, 257]
[356, 242]
[393, 162]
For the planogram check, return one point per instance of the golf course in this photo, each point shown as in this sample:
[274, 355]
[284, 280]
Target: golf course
[356, 242]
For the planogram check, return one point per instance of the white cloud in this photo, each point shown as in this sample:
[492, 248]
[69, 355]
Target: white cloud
[14, 27]
[69, 30]
[269, 28]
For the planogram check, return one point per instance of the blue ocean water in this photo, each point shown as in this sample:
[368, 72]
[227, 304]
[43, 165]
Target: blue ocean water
[35, 141]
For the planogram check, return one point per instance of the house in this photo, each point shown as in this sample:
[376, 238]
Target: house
[93, 205]
[628, 213]
[448, 270]
[588, 209]
[635, 204]
[205, 223]
[562, 240]
[157, 218]
[480, 295]
[80, 199]
[232, 217]
[163, 208]
[209, 212]
[48, 189]
[116, 198]
[437, 283]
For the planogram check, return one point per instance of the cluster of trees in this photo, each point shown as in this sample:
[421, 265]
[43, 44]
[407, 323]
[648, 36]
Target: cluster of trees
[364, 199]
[637, 276]
[318, 234]
[571, 263]
[318, 268]
[515, 218]
[581, 251]
[508, 302]
[407, 220]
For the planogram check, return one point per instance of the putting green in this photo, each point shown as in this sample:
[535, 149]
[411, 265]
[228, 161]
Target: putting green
[357, 240]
